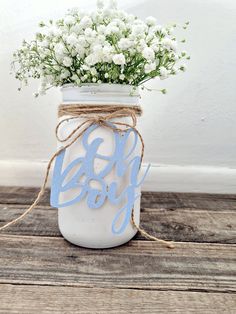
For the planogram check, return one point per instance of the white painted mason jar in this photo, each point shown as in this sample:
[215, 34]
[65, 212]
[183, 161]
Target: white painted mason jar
[79, 224]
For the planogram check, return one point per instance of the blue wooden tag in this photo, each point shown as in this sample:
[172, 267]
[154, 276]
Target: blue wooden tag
[120, 160]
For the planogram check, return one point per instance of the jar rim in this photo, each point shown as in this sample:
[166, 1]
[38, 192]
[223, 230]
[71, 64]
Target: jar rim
[99, 87]
[100, 93]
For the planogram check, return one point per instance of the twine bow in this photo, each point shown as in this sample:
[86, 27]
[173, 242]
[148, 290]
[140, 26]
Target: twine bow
[103, 120]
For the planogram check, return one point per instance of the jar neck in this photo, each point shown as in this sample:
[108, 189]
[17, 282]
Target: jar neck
[100, 94]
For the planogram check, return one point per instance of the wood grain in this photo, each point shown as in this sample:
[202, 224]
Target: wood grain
[202, 201]
[49, 299]
[171, 201]
[40, 272]
[22, 195]
[139, 264]
[179, 225]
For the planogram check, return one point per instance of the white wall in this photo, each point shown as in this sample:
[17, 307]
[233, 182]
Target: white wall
[190, 133]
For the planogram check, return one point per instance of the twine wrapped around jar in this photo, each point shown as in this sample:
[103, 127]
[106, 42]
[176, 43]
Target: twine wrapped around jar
[100, 115]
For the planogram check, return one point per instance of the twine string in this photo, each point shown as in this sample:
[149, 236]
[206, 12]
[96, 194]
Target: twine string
[103, 115]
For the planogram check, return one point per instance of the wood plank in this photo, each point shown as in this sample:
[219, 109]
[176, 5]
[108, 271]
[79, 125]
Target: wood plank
[191, 225]
[42, 221]
[187, 225]
[49, 299]
[165, 200]
[21, 195]
[139, 264]
[202, 201]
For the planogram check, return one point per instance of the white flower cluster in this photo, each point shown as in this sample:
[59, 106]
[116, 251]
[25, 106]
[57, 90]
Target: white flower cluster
[104, 46]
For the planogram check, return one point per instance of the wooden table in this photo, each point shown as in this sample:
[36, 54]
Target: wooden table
[42, 273]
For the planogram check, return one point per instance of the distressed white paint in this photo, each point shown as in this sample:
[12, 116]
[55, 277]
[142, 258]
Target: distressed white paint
[192, 127]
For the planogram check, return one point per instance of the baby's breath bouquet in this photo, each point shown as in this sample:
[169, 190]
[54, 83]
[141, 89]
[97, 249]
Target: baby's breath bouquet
[104, 46]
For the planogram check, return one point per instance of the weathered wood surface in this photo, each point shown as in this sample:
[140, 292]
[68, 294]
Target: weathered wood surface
[139, 264]
[40, 272]
[48, 299]
[171, 201]
[178, 225]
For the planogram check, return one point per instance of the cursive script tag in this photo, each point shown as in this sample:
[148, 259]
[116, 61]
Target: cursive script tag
[120, 160]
